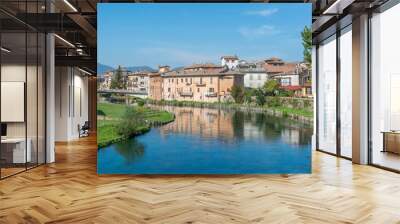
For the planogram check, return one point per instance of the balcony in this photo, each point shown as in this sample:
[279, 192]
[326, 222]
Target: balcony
[186, 93]
[211, 94]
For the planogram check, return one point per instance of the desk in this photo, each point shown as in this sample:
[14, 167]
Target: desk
[16, 147]
[391, 141]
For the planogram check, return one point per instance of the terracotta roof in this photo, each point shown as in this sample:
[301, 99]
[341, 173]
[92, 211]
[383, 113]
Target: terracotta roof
[286, 68]
[207, 65]
[183, 73]
[274, 60]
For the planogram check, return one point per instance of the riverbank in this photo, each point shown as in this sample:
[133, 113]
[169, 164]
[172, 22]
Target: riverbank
[111, 116]
[304, 115]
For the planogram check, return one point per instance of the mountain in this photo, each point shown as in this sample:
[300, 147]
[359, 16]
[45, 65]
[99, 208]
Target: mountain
[178, 68]
[140, 68]
[101, 69]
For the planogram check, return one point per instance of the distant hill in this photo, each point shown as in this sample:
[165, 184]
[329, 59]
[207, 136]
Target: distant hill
[178, 68]
[101, 69]
[140, 68]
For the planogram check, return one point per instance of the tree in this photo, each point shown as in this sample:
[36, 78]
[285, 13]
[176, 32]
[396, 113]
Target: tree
[117, 81]
[237, 93]
[260, 97]
[271, 87]
[306, 36]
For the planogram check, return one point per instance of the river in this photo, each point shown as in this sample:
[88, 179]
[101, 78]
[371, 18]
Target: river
[213, 141]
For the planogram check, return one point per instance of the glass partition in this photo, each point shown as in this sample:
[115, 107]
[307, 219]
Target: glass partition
[22, 87]
[385, 89]
[327, 95]
[13, 94]
[346, 92]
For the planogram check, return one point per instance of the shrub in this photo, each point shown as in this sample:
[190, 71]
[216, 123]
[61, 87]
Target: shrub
[132, 120]
[237, 93]
[260, 98]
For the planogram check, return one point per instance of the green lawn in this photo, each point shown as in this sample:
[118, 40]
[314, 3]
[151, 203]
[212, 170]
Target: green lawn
[294, 111]
[108, 127]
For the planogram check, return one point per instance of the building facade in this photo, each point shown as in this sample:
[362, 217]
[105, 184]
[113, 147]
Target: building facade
[230, 61]
[255, 74]
[138, 82]
[202, 82]
[155, 86]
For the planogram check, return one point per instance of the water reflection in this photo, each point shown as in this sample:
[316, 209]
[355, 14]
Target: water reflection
[130, 150]
[235, 125]
[213, 141]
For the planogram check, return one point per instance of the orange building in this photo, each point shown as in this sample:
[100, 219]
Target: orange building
[200, 82]
[155, 86]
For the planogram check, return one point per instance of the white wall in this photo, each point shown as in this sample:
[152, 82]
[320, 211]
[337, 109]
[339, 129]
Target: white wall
[71, 103]
[251, 80]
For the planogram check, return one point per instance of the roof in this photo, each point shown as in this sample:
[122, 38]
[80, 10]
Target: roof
[185, 73]
[207, 65]
[273, 59]
[142, 73]
[230, 57]
[285, 68]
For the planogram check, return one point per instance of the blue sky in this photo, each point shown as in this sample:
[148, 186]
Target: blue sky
[183, 34]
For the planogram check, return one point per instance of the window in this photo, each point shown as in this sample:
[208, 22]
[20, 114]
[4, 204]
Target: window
[346, 92]
[198, 90]
[169, 89]
[211, 79]
[285, 82]
[259, 76]
[211, 90]
[327, 95]
[385, 89]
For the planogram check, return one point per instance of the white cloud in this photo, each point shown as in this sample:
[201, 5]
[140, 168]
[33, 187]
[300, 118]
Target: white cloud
[264, 12]
[264, 30]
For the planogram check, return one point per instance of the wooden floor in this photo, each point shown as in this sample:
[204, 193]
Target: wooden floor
[70, 191]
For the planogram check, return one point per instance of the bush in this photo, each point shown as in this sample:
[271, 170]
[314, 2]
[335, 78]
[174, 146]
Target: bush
[260, 98]
[237, 92]
[131, 122]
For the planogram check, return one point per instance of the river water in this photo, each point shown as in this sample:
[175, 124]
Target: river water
[213, 141]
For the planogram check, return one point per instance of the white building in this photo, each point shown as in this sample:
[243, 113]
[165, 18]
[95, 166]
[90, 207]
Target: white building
[255, 74]
[230, 61]
[138, 82]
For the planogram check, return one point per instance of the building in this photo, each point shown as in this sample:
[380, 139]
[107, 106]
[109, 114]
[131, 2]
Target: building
[354, 104]
[255, 74]
[138, 82]
[156, 85]
[291, 76]
[200, 82]
[230, 61]
[105, 82]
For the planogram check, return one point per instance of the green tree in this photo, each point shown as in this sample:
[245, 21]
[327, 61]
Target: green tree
[132, 122]
[117, 81]
[260, 97]
[237, 93]
[306, 36]
[271, 87]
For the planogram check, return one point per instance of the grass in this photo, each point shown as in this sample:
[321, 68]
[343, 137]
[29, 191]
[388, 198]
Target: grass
[294, 111]
[108, 127]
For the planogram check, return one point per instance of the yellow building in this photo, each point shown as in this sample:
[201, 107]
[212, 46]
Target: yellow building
[200, 82]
